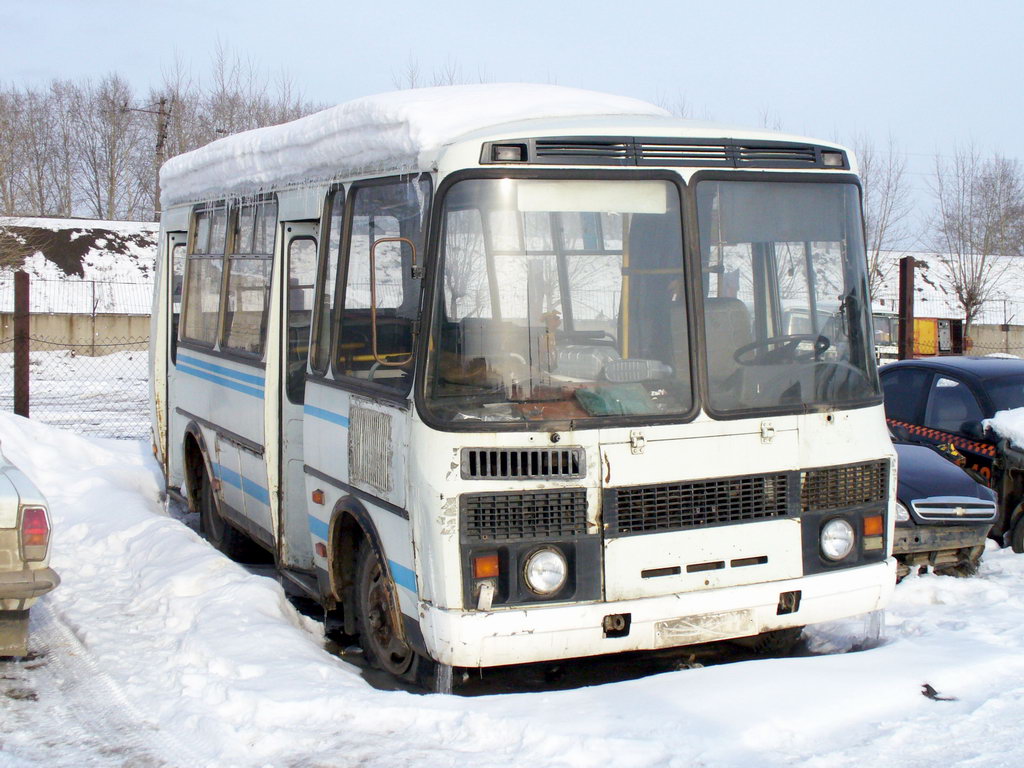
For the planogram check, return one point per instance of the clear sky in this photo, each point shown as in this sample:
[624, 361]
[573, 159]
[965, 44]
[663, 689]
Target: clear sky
[930, 73]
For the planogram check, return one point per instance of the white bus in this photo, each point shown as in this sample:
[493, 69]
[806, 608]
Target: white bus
[503, 374]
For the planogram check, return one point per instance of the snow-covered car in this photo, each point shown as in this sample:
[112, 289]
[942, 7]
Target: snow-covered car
[953, 401]
[943, 515]
[25, 572]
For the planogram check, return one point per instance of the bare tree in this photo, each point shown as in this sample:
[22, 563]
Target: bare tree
[10, 138]
[887, 205]
[980, 218]
[110, 145]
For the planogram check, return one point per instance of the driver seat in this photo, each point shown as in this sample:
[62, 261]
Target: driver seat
[727, 328]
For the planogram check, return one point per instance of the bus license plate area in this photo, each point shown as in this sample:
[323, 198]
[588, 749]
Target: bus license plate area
[651, 565]
[705, 628]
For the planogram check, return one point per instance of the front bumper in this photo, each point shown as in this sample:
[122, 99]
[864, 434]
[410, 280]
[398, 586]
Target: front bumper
[19, 589]
[518, 636]
[938, 538]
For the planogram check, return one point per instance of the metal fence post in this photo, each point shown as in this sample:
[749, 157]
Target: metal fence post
[21, 343]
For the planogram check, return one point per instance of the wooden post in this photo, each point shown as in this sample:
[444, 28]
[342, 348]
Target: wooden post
[21, 343]
[906, 318]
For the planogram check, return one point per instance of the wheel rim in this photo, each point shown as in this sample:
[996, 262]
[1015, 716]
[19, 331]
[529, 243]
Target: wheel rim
[381, 637]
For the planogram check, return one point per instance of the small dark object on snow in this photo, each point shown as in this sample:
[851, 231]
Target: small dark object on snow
[931, 693]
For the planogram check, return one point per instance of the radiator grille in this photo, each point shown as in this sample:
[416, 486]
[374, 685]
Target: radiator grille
[522, 463]
[544, 514]
[678, 506]
[846, 486]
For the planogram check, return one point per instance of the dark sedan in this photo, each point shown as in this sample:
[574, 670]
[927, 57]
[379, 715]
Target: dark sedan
[943, 401]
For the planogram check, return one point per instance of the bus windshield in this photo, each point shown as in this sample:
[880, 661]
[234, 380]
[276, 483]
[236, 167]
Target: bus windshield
[787, 317]
[559, 300]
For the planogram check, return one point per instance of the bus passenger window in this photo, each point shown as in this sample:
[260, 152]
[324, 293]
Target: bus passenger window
[203, 274]
[301, 277]
[249, 268]
[380, 303]
[321, 340]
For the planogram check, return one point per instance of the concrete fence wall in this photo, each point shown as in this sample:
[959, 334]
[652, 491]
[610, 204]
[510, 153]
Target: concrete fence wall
[85, 334]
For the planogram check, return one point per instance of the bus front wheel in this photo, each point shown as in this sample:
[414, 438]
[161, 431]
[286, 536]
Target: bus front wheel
[376, 616]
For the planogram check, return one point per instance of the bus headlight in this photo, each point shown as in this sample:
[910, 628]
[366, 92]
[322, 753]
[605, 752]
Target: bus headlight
[837, 539]
[902, 514]
[545, 571]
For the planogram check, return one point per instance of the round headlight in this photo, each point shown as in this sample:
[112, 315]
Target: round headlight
[837, 539]
[902, 515]
[545, 571]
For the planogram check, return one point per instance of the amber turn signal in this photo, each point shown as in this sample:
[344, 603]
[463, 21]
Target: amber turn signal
[874, 525]
[318, 496]
[485, 567]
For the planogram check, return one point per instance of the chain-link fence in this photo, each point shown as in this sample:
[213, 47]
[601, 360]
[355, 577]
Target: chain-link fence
[88, 361]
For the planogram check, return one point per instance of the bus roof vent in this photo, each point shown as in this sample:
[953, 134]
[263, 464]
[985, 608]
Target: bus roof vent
[523, 463]
[665, 152]
[684, 152]
[778, 155]
[586, 150]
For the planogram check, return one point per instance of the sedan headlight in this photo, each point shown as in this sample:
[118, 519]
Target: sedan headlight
[837, 539]
[902, 514]
[545, 571]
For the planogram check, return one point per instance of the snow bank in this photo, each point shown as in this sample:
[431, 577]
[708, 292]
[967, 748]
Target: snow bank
[1008, 424]
[374, 133]
[216, 658]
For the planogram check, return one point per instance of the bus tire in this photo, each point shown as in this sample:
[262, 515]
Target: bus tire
[215, 528]
[376, 611]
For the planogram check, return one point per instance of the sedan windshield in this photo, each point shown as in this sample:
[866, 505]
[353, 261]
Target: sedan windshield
[786, 314]
[559, 300]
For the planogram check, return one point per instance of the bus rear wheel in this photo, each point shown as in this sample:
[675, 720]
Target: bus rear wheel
[215, 528]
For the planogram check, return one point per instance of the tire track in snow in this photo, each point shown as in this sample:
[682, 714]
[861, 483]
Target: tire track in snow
[98, 724]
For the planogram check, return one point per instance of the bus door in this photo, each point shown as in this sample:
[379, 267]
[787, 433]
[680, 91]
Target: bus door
[295, 547]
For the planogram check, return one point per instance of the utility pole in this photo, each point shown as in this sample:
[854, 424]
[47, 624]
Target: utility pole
[906, 311]
[163, 120]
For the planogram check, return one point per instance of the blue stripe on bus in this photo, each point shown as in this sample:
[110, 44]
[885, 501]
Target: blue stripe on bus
[321, 413]
[230, 373]
[318, 528]
[257, 393]
[244, 484]
[402, 576]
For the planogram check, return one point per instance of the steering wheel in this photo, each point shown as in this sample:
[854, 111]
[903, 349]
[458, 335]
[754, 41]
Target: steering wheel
[781, 348]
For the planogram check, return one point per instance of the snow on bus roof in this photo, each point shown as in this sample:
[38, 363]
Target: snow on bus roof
[389, 131]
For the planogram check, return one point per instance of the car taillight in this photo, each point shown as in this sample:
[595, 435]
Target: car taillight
[35, 533]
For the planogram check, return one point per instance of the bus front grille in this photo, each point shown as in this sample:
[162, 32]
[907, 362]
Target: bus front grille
[523, 463]
[697, 504]
[546, 514]
[844, 486]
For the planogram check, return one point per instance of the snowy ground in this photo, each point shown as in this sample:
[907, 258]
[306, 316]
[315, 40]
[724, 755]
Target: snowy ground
[157, 651]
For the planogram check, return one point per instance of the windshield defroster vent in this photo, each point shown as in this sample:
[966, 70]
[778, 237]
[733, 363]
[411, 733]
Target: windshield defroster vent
[523, 463]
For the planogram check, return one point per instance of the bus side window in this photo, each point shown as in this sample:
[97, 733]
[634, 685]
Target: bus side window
[249, 268]
[379, 305]
[177, 284]
[203, 273]
[301, 276]
[327, 276]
